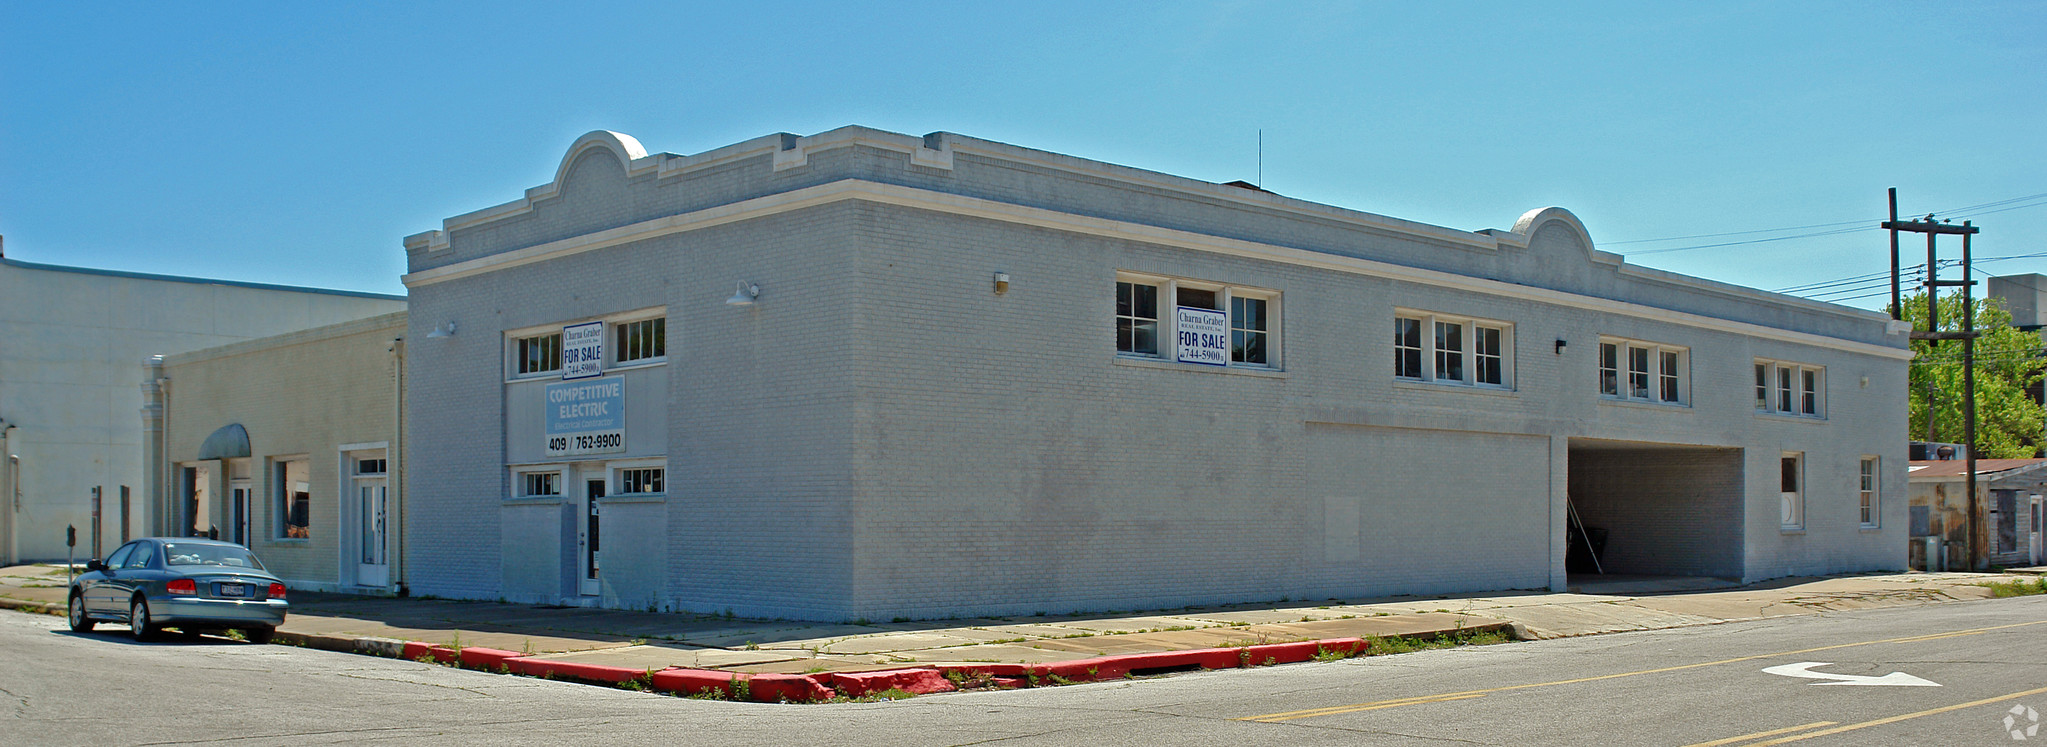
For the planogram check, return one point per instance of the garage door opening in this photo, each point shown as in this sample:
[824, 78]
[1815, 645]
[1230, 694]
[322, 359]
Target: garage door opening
[1653, 510]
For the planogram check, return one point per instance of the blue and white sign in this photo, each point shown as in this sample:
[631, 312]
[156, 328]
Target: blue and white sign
[583, 350]
[586, 417]
[1204, 336]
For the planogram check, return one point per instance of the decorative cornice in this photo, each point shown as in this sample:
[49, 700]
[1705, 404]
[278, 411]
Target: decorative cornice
[923, 199]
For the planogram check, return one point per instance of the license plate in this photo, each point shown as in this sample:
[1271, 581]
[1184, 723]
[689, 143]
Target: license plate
[234, 590]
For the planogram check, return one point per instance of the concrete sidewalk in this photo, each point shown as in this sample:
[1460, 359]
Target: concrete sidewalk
[642, 641]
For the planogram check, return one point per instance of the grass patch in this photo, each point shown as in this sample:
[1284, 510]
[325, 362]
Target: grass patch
[2016, 588]
[1399, 644]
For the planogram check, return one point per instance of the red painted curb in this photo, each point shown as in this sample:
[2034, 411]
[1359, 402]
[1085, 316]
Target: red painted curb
[804, 688]
[920, 681]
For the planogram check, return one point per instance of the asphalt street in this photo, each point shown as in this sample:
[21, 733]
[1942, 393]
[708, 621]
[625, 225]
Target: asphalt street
[1963, 668]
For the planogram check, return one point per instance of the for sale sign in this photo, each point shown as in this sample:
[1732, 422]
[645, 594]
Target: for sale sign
[583, 350]
[1203, 335]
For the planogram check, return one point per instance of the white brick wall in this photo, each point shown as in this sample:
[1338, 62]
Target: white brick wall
[883, 436]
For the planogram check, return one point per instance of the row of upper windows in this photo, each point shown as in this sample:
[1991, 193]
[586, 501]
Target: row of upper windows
[632, 342]
[1427, 347]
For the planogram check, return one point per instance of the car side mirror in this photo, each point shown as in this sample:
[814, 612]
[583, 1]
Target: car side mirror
[95, 565]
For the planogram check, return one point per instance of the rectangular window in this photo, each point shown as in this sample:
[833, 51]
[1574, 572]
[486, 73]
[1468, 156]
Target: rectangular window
[1610, 369]
[646, 339]
[1452, 350]
[1655, 372]
[540, 484]
[1248, 314]
[291, 499]
[1407, 347]
[1867, 489]
[1488, 356]
[369, 466]
[640, 480]
[537, 354]
[1137, 318]
[1791, 480]
[1638, 372]
[1785, 388]
[1247, 330]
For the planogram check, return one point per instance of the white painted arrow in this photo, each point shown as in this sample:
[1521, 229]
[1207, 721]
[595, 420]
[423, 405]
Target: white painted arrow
[1804, 669]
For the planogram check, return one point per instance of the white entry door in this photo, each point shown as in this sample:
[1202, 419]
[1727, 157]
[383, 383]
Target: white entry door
[590, 556]
[2039, 535]
[371, 568]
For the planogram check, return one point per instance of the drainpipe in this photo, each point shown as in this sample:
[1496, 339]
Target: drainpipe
[396, 465]
[156, 421]
[13, 497]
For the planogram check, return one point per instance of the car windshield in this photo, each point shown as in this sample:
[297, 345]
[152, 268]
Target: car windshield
[180, 553]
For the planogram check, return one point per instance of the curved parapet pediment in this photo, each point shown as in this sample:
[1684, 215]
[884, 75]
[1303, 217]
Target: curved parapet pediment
[231, 441]
[1534, 221]
[624, 147]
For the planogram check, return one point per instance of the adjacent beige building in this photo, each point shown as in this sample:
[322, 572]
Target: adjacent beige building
[70, 339]
[289, 445]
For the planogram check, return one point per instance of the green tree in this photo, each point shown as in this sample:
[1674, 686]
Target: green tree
[2008, 363]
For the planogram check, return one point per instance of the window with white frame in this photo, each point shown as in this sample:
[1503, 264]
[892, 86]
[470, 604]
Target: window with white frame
[1446, 349]
[539, 484]
[1251, 317]
[1640, 371]
[1791, 495]
[369, 466]
[640, 340]
[537, 354]
[1786, 388]
[1866, 488]
[641, 481]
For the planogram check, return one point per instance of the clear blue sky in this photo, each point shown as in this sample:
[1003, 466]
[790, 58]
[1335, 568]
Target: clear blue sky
[299, 142]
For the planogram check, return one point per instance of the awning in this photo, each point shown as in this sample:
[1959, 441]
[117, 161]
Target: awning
[230, 442]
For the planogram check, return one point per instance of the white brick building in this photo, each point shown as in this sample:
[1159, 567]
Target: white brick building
[962, 389]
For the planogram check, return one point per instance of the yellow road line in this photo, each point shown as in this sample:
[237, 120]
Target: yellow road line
[1761, 734]
[1904, 717]
[1375, 705]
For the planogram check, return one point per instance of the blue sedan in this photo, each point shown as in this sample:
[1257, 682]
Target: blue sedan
[193, 585]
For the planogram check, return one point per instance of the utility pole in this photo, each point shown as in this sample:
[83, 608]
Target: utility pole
[1933, 229]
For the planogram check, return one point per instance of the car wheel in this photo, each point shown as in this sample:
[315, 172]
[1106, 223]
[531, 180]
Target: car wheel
[138, 620]
[259, 635]
[75, 613]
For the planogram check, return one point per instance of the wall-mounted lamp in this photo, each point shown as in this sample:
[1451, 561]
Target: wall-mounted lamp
[443, 330]
[1560, 345]
[745, 295]
[1001, 283]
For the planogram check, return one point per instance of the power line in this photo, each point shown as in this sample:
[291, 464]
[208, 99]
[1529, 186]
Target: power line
[1853, 226]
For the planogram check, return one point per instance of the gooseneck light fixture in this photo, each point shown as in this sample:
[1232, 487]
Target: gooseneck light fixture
[744, 295]
[442, 330]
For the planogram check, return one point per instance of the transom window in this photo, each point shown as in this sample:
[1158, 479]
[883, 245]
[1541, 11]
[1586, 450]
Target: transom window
[1248, 322]
[540, 484]
[1643, 371]
[1785, 388]
[369, 466]
[645, 339]
[1452, 350]
[640, 480]
[537, 354]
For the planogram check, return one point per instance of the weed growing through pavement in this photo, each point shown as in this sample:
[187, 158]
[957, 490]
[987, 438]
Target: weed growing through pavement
[2016, 588]
[1382, 645]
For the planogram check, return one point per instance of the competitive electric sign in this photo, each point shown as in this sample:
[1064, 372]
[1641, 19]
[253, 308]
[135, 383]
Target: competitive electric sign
[1204, 336]
[586, 417]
